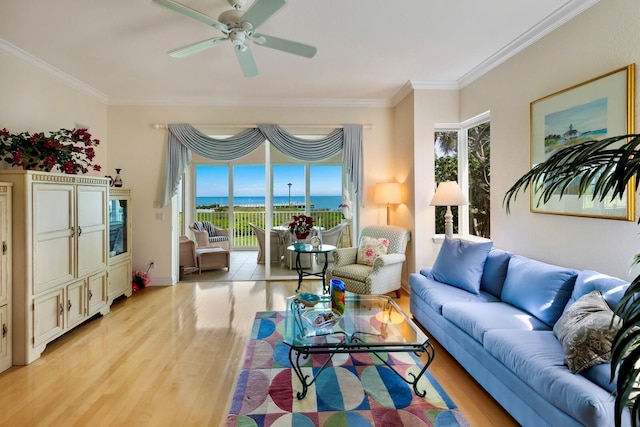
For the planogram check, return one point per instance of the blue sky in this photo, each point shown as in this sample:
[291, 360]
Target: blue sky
[213, 181]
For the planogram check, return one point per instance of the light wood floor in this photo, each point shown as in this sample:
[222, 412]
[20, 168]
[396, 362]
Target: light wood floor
[169, 356]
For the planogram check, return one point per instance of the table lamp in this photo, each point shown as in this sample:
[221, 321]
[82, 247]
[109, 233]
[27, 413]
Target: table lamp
[448, 194]
[389, 193]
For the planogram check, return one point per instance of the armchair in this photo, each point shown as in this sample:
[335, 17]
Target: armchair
[384, 275]
[275, 244]
[208, 235]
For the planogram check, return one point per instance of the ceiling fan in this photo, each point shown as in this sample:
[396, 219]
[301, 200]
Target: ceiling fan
[239, 27]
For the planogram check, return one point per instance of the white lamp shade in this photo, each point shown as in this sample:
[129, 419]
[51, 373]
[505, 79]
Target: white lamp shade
[388, 193]
[448, 193]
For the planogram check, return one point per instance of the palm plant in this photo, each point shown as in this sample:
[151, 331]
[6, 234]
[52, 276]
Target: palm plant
[600, 168]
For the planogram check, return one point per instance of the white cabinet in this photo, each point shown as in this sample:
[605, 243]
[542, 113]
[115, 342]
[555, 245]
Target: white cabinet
[60, 256]
[120, 243]
[5, 277]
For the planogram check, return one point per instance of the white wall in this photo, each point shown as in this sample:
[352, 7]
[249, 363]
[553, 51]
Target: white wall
[600, 40]
[32, 101]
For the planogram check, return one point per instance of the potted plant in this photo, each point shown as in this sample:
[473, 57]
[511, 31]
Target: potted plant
[604, 167]
[68, 151]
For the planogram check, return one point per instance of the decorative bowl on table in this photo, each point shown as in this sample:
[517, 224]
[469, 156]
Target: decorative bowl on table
[321, 318]
[298, 245]
[308, 300]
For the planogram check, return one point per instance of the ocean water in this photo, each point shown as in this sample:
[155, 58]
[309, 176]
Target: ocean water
[318, 202]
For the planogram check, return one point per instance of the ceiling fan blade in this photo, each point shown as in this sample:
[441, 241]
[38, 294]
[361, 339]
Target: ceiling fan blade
[247, 61]
[196, 47]
[261, 10]
[289, 46]
[192, 13]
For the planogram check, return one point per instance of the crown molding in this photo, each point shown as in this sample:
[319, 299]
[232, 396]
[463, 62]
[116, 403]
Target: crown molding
[413, 85]
[50, 70]
[561, 16]
[250, 102]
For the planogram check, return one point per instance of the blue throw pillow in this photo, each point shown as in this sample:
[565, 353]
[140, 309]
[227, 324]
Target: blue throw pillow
[460, 264]
[538, 288]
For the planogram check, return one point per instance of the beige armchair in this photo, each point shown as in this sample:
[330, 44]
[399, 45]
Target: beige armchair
[187, 257]
[208, 235]
[275, 244]
[384, 275]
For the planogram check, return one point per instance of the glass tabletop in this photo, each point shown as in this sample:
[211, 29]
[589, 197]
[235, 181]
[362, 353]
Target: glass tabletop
[307, 248]
[368, 320]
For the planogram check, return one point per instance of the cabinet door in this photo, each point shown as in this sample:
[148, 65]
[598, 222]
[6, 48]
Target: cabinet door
[92, 229]
[4, 251]
[76, 303]
[48, 316]
[5, 339]
[119, 280]
[53, 235]
[97, 293]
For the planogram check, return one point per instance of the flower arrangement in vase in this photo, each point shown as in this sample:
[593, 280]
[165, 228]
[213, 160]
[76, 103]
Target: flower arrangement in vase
[68, 151]
[301, 226]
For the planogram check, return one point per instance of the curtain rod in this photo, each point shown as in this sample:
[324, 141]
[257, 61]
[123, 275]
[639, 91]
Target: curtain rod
[166, 126]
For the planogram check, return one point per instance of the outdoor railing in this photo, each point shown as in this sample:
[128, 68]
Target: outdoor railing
[243, 236]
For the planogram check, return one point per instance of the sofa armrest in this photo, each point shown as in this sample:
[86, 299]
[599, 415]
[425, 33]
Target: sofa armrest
[344, 256]
[386, 260]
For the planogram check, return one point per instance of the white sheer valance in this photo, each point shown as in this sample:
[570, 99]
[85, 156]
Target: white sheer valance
[184, 138]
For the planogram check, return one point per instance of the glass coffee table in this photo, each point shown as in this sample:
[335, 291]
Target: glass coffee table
[370, 324]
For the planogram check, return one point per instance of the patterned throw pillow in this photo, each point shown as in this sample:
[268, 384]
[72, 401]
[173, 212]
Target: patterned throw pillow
[370, 249]
[586, 333]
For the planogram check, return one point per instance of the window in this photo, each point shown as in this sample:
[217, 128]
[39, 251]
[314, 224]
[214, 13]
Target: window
[462, 154]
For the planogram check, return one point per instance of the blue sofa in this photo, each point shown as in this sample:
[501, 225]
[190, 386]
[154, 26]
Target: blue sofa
[501, 332]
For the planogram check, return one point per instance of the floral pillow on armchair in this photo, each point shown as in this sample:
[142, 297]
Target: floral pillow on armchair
[370, 249]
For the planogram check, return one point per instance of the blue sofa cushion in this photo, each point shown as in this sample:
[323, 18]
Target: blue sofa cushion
[478, 318]
[495, 271]
[586, 332]
[536, 357]
[461, 264]
[435, 294]
[601, 374]
[611, 288]
[538, 288]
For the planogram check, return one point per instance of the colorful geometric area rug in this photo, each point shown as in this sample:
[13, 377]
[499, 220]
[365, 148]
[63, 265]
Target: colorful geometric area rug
[355, 390]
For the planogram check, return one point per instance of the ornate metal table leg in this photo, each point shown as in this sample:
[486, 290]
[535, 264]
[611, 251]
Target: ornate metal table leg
[299, 270]
[430, 351]
[325, 288]
[295, 365]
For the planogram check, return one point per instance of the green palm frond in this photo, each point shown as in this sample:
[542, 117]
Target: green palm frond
[603, 167]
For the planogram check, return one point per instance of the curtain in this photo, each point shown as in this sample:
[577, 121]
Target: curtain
[184, 138]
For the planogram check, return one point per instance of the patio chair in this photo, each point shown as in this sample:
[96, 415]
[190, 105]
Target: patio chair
[384, 272]
[187, 255]
[275, 244]
[331, 237]
[208, 235]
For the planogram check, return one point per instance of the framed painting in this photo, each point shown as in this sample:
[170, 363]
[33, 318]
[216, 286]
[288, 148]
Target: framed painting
[596, 109]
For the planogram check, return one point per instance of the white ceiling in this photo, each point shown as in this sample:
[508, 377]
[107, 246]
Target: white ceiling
[368, 50]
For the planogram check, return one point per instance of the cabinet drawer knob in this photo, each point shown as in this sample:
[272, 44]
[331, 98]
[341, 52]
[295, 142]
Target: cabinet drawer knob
[61, 309]
[4, 330]
[79, 231]
[90, 294]
[73, 231]
[4, 247]
[69, 305]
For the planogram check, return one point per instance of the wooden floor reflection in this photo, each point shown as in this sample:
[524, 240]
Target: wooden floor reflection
[170, 356]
